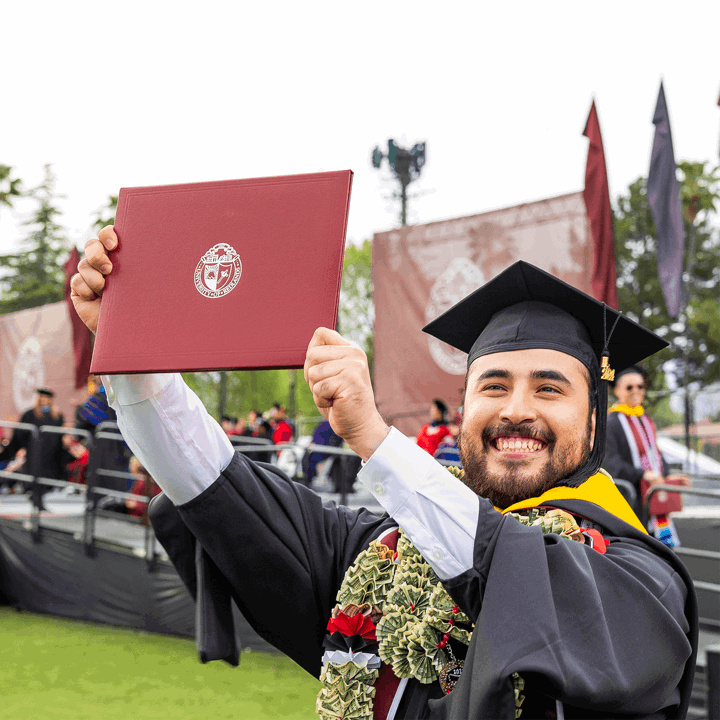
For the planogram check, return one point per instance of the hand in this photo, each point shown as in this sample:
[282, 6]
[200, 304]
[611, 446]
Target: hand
[652, 477]
[684, 479]
[87, 286]
[339, 378]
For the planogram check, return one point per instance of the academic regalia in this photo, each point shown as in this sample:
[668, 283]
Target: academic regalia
[282, 550]
[609, 631]
[629, 649]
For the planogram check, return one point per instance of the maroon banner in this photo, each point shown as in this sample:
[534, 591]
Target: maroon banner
[597, 203]
[37, 351]
[82, 344]
[420, 271]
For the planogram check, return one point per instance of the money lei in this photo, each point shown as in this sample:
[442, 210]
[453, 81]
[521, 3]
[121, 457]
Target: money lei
[417, 618]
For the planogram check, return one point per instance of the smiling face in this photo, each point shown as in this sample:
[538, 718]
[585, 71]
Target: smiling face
[526, 423]
[630, 389]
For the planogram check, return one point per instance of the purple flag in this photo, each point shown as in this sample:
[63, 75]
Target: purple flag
[663, 192]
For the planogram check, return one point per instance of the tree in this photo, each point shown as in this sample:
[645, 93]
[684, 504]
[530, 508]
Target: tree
[10, 187]
[35, 275]
[357, 311]
[697, 332]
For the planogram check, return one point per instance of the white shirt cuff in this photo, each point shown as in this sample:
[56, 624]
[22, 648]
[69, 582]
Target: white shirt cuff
[131, 389]
[437, 511]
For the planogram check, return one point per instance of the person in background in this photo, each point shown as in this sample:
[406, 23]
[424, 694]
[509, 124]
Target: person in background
[448, 450]
[44, 454]
[430, 436]
[142, 485]
[631, 451]
[228, 423]
[107, 453]
[282, 432]
[323, 435]
[77, 456]
[252, 424]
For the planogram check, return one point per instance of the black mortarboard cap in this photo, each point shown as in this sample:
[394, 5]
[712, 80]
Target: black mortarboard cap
[526, 308]
[45, 391]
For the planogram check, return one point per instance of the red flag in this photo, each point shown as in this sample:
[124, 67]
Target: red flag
[81, 335]
[597, 204]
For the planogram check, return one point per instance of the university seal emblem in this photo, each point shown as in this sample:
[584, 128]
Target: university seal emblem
[218, 271]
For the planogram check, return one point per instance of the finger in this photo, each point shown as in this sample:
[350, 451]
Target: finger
[94, 279]
[326, 353]
[81, 289]
[97, 256]
[108, 237]
[327, 391]
[329, 353]
[316, 373]
[326, 336]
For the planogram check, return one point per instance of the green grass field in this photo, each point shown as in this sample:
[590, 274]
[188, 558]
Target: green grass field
[56, 668]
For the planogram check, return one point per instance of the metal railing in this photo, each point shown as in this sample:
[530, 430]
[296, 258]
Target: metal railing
[277, 455]
[92, 491]
[691, 552]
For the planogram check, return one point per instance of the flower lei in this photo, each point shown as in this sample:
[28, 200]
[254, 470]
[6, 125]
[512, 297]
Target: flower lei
[392, 608]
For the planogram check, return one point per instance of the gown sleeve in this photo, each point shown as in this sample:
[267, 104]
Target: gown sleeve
[608, 632]
[273, 545]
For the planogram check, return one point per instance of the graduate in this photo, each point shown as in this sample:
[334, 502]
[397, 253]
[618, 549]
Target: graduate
[524, 586]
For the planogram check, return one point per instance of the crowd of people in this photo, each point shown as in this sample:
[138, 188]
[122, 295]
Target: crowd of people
[61, 456]
[631, 454]
[272, 425]
[67, 456]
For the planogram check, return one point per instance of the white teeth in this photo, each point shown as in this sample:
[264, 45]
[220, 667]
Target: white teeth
[527, 445]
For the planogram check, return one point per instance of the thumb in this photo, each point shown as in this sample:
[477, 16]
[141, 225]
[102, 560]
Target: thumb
[326, 336]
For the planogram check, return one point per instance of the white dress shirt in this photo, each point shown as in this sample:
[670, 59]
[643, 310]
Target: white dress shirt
[185, 450]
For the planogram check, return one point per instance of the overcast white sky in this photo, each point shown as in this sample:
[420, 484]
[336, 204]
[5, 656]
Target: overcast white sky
[142, 93]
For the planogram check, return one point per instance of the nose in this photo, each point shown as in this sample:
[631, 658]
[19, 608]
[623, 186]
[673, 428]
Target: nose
[518, 408]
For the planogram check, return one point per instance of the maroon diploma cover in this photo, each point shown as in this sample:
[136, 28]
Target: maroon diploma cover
[223, 275]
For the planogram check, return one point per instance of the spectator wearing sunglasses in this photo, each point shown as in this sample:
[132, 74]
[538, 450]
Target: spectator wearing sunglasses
[631, 451]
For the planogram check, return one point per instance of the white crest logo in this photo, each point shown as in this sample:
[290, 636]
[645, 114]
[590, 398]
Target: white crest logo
[28, 373]
[457, 281]
[218, 271]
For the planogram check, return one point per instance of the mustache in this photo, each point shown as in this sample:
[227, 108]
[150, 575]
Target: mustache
[525, 431]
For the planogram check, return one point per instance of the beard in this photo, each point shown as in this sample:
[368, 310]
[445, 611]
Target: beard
[505, 488]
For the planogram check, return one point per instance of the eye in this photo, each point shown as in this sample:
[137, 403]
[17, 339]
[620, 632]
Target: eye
[492, 387]
[549, 389]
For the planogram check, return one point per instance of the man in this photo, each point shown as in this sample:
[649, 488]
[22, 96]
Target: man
[604, 626]
[44, 452]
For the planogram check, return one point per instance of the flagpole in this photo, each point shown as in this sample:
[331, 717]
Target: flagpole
[689, 266]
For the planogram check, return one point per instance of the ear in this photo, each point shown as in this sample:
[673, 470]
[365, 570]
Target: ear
[593, 423]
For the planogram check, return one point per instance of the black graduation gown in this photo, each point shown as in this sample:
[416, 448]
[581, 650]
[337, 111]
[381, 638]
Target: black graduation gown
[616, 632]
[44, 456]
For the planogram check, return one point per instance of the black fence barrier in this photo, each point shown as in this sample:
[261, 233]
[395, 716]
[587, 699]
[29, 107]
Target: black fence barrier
[712, 679]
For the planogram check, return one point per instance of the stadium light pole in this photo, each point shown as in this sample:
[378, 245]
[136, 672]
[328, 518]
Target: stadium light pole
[405, 164]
